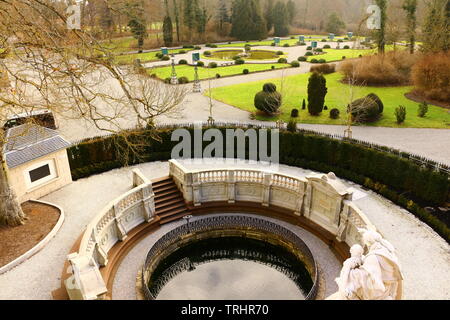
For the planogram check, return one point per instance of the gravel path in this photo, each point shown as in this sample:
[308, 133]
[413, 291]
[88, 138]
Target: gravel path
[424, 255]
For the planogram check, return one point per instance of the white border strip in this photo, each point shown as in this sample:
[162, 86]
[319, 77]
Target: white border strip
[41, 244]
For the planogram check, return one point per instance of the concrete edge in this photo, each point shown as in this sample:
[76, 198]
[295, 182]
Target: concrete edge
[40, 244]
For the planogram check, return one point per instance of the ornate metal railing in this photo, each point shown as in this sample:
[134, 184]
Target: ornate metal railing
[228, 222]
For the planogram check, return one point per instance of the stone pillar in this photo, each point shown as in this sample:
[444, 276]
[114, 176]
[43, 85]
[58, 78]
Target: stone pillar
[231, 186]
[121, 231]
[196, 192]
[148, 202]
[266, 189]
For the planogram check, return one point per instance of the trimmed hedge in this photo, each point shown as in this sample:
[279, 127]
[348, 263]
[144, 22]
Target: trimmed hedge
[397, 179]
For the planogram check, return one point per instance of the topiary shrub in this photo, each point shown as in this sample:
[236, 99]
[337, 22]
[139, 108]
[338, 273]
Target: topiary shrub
[302, 44]
[239, 61]
[183, 80]
[292, 126]
[207, 53]
[302, 59]
[308, 54]
[245, 71]
[314, 60]
[218, 75]
[334, 113]
[317, 90]
[324, 40]
[344, 57]
[400, 114]
[268, 100]
[167, 80]
[346, 47]
[272, 67]
[273, 44]
[340, 40]
[269, 87]
[197, 48]
[325, 108]
[364, 110]
[327, 46]
[377, 99]
[294, 113]
[212, 65]
[236, 57]
[200, 63]
[165, 58]
[159, 55]
[309, 48]
[282, 60]
[182, 61]
[295, 64]
[280, 53]
[188, 46]
[322, 61]
[286, 45]
[318, 50]
[323, 68]
[423, 109]
[182, 51]
[304, 105]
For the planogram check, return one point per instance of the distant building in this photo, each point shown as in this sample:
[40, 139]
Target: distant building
[37, 161]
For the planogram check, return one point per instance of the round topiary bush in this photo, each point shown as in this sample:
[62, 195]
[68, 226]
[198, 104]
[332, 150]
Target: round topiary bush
[197, 48]
[159, 55]
[268, 102]
[322, 61]
[340, 40]
[165, 58]
[324, 40]
[308, 54]
[282, 60]
[182, 80]
[280, 53]
[212, 65]
[344, 57]
[327, 46]
[207, 53]
[245, 71]
[273, 44]
[314, 60]
[377, 99]
[302, 59]
[182, 61]
[182, 51]
[364, 110]
[294, 113]
[295, 64]
[236, 57]
[318, 50]
[309, 48]
[334, 113]
[269, 87]
[218, 75]
[346, 47]
[167, 80]
[302, 44]
[286, 45]
[239, 61]
[200, 63]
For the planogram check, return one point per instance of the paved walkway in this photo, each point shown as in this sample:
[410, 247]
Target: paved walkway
[424, 255]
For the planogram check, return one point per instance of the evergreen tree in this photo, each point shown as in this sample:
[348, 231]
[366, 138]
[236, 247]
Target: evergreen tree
[268, 15]
[176, 13]
[222, 16]
[137, 22]
[168, 31]
[334, 24]
[247, 20]
[281, 19]
[317, 90]
[201, 19]
[381, 34]
[410, 7]
[291, 9]
[189, 14]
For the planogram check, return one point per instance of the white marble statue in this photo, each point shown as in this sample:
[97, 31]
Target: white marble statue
[375, 276]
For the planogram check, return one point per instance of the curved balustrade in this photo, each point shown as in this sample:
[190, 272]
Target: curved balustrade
[111, 225]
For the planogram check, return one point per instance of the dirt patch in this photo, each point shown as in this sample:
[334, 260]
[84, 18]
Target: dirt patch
[15, 241]
[414, 96]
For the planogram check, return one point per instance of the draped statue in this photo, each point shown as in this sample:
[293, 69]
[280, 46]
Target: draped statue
[374, 276]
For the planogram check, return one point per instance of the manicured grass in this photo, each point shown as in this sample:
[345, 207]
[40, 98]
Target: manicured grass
[206, 73]
[295, 90]
[145, 57]
[331, 55]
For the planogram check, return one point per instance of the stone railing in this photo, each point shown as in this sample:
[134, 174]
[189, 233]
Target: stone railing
[321, 198]
[111, 225]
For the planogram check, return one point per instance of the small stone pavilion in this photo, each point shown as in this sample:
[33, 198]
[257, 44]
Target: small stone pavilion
[37, 161]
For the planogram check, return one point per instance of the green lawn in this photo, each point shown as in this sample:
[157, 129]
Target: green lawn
[206, 73]
[294, 89]
[332, 55]
[145, 57]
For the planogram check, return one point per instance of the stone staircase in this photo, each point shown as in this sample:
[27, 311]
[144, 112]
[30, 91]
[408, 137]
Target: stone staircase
[169, 201]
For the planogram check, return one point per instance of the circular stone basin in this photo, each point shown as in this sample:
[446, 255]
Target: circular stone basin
[230, 268]
[254, 54]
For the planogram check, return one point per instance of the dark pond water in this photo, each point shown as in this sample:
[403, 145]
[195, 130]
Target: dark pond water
[230, 268]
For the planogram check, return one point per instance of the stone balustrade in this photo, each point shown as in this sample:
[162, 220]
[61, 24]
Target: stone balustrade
[111, 225]
[321, 198]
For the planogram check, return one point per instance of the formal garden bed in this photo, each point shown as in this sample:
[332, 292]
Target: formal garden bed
[295, 91]
[16, 241]
[205, 73]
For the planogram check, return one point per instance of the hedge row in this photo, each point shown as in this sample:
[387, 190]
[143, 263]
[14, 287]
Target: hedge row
[397, 179]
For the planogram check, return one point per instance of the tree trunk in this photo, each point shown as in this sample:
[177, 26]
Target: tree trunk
[11, 213]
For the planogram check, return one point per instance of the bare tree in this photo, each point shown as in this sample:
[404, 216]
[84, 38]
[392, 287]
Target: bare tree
[74, 76]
